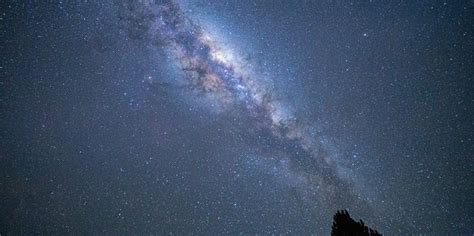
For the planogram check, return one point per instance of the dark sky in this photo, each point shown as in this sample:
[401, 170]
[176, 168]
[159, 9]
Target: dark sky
[228, 117]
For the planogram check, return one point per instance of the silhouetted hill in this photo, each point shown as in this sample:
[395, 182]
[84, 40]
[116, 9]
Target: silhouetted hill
[343, 224]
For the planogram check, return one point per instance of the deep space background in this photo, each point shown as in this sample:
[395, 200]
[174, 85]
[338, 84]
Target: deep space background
[100, 135]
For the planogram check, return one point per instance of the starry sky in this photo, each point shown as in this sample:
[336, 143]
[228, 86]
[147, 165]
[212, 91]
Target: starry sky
[236, 117]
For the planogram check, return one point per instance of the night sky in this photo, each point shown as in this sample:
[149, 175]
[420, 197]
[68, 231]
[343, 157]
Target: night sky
[236, 117]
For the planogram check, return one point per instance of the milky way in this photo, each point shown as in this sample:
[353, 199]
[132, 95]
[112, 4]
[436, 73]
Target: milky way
[231, 117]
[222, 76]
